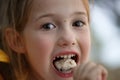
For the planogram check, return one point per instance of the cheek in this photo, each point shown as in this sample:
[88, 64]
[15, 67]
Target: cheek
[39, 47]
[39, 50]
[85, 45]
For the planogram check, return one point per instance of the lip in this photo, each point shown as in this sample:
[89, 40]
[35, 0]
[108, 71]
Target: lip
[65, 75]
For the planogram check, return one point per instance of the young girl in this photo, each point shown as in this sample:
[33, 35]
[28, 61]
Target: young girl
[48, 40]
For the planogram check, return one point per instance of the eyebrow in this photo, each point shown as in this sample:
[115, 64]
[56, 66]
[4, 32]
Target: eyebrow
[45, 15]
[80, 13]
[52, 14]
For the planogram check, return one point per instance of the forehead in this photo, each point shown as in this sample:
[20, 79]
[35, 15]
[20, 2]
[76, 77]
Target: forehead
[62, 7]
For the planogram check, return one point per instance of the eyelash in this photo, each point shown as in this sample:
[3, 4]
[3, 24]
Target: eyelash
[50, 26]
[45, 26]
[78, 23]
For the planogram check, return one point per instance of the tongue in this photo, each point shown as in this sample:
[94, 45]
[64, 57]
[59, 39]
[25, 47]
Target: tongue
[65, 65]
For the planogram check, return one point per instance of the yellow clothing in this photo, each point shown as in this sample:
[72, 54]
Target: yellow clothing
[4, 57]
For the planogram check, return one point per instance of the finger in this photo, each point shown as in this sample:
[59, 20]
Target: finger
[99, 72]
[78, 70]
[104, 72]
[87, 69]
[82, 71]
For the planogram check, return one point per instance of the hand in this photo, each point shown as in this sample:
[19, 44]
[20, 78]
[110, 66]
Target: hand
[90, 71]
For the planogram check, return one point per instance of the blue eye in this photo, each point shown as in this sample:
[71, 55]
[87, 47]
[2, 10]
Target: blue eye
[78, 23]
[48, 26]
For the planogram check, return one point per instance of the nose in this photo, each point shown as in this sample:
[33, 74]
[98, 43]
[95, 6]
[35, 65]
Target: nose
[67, 38]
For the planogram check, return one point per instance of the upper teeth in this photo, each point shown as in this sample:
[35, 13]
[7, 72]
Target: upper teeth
[66, 56]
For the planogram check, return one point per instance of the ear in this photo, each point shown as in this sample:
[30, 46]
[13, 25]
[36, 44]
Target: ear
[14, 40]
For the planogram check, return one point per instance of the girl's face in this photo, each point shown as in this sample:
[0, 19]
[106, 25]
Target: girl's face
[56, 29]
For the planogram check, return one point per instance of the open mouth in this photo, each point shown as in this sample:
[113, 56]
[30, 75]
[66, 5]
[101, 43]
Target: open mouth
[65, 63]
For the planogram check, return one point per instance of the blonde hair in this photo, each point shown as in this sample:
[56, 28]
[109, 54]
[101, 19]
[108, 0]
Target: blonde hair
[86, 3]
[14, 14]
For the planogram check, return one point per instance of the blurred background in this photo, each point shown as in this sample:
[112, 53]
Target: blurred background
[105, 27]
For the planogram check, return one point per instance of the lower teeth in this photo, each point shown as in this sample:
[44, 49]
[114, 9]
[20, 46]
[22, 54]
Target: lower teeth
[65, 65]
